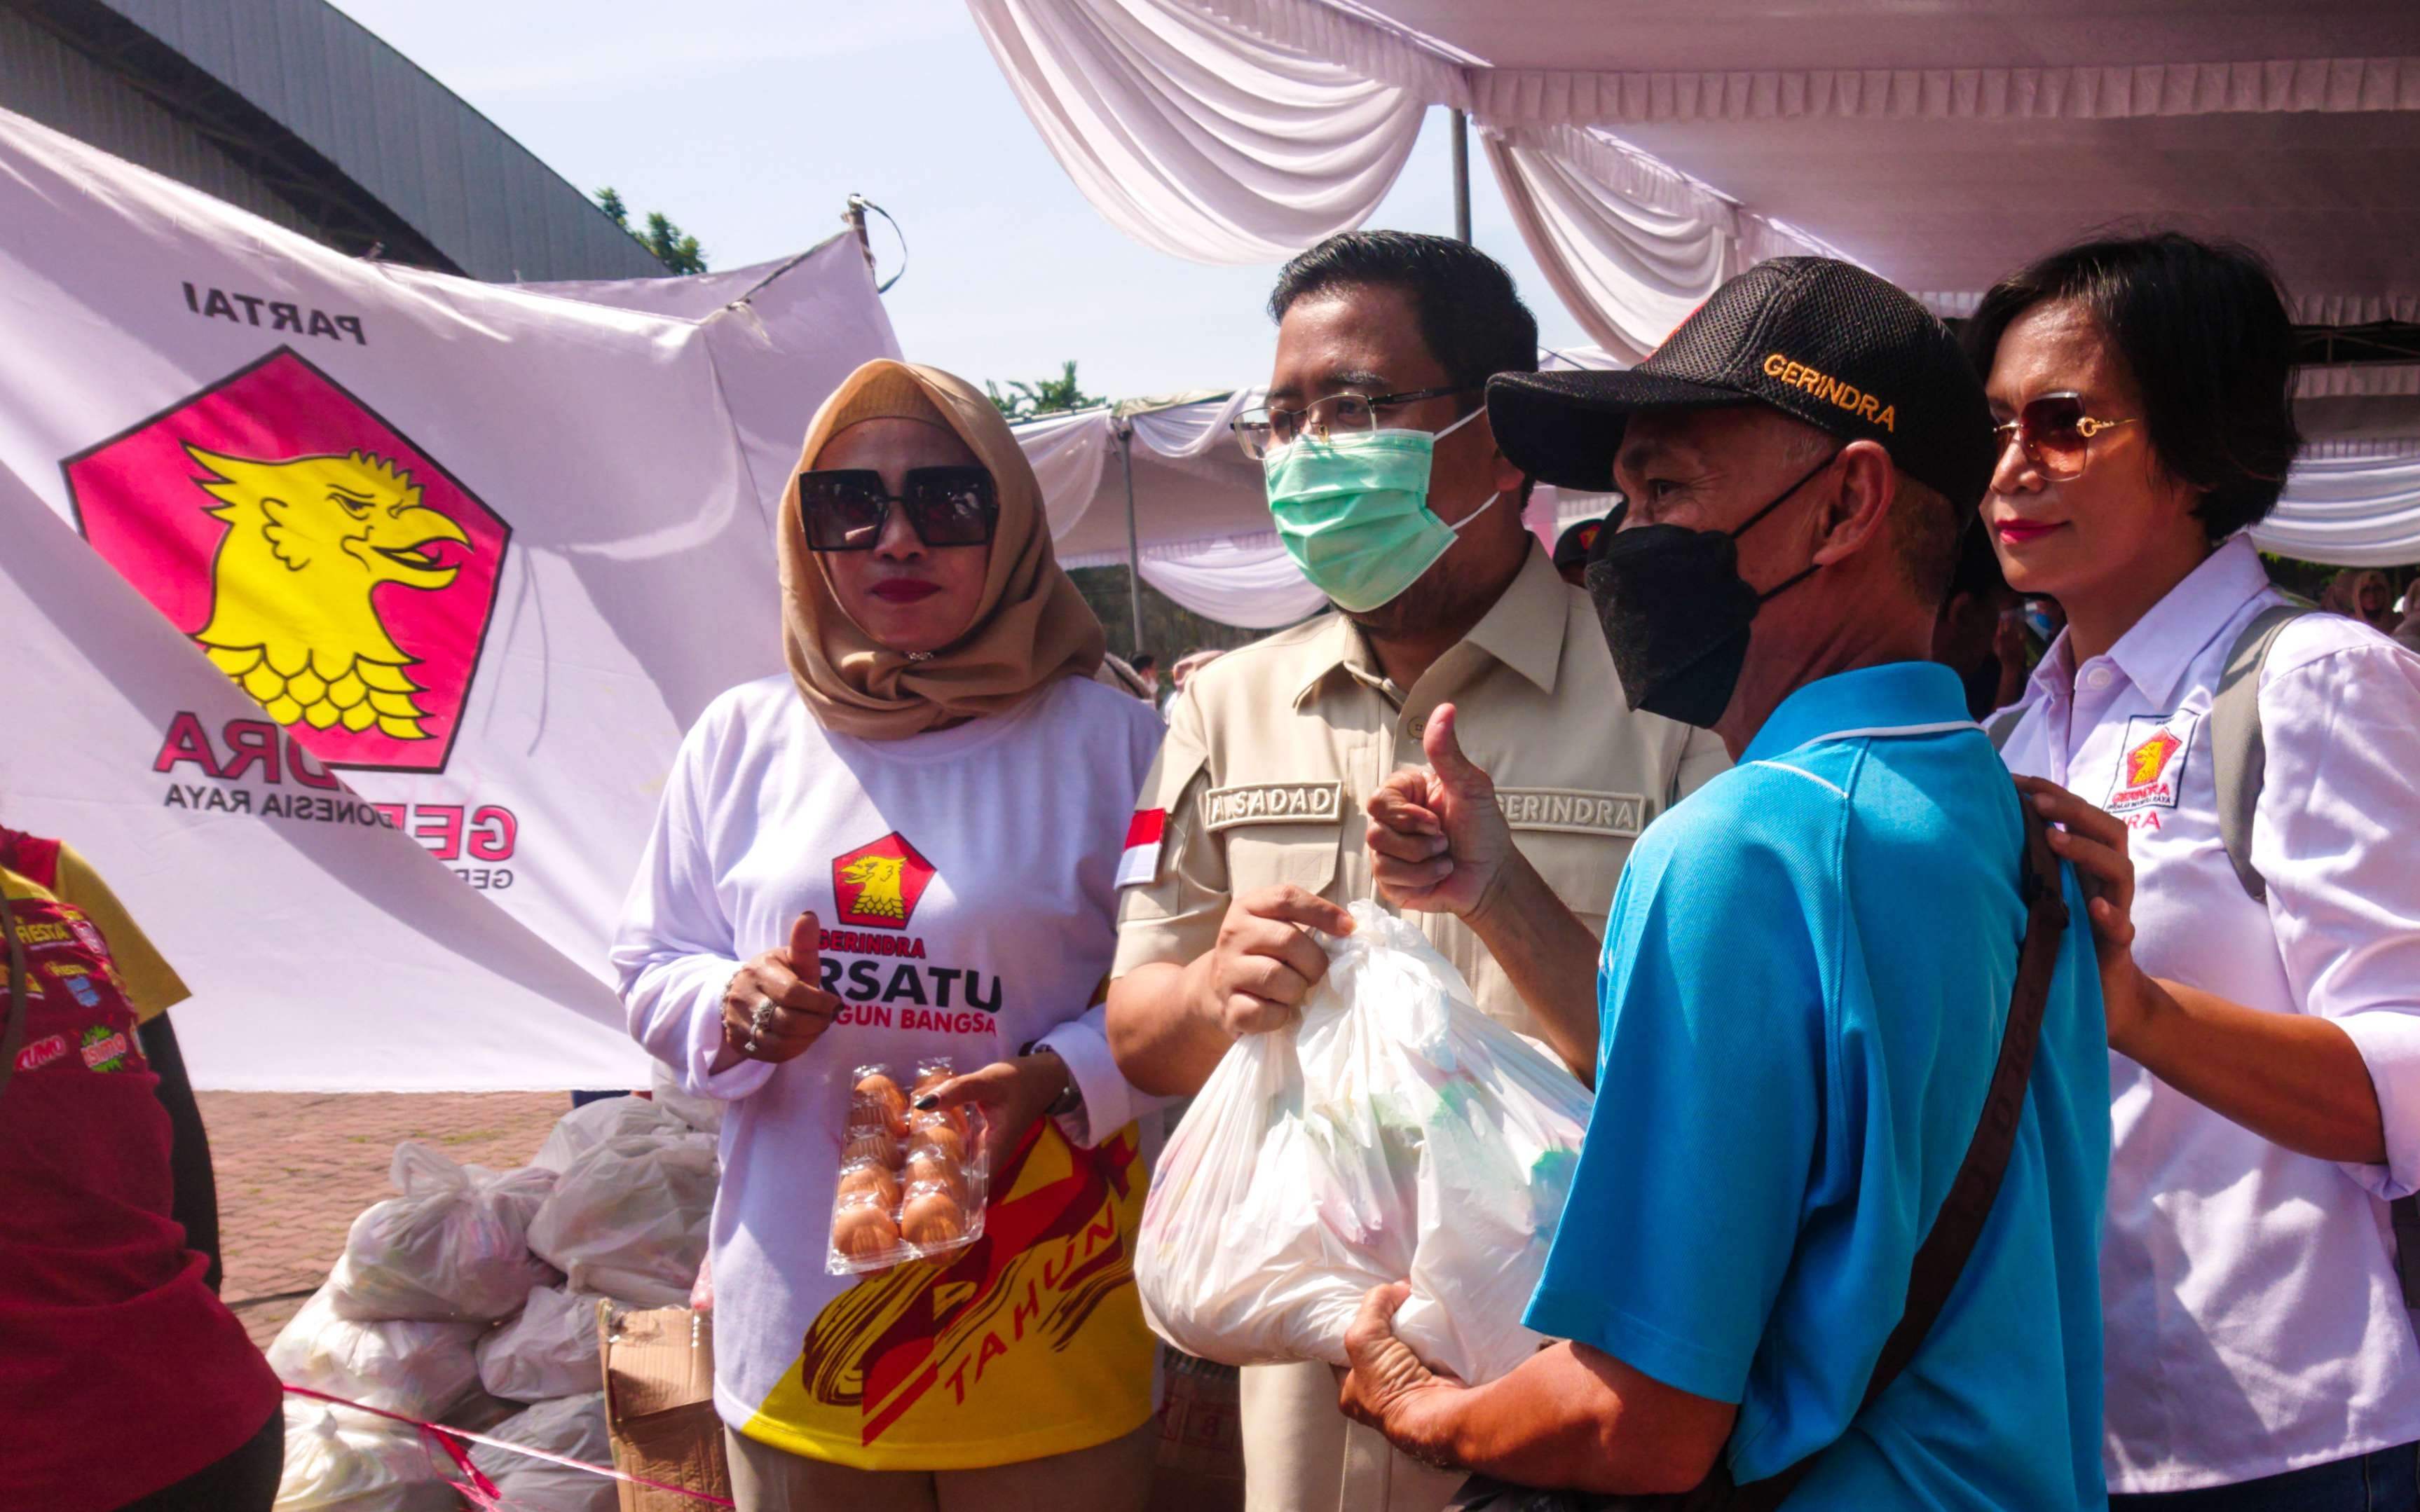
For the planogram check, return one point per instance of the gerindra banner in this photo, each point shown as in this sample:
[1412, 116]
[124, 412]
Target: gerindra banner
[355, 612]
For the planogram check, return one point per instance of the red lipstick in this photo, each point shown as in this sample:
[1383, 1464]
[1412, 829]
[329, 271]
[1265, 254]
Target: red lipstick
[904, 590]
[2018, 531]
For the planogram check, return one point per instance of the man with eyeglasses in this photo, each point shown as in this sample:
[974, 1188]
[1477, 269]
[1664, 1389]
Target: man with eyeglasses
[1389, 491]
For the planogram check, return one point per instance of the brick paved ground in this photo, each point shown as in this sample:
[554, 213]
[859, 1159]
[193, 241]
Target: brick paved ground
[294, 1169]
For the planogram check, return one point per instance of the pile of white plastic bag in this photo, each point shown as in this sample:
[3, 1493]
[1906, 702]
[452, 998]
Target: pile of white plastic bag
[470, 1298]
[1394, 1133]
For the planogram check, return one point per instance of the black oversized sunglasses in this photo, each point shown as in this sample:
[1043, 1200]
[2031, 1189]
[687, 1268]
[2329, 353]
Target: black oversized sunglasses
[845, 509]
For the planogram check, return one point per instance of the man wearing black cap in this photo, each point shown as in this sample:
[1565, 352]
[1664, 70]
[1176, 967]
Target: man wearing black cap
[1810, 968]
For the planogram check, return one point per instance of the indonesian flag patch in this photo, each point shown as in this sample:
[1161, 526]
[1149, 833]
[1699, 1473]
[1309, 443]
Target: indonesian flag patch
[1139, 861]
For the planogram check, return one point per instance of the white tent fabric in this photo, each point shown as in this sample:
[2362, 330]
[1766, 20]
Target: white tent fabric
[1069, 454]
[1244, 582]
[1196, 140]
[1629, 245]
[1939, 145]
[1648, 152]
[2361, 511]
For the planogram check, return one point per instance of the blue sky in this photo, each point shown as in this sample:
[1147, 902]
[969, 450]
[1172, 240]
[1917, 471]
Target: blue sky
[750, 121]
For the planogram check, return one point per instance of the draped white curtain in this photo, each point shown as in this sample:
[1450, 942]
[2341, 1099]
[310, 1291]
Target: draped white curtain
[1241, 578]
[1249, 581]
[1069, 454]
[1192, 430]
[1244, 130]
[1628, 271]
[2358, 510]
[1194, 138]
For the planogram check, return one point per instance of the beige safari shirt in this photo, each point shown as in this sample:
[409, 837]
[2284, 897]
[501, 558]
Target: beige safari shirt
[1273, 750]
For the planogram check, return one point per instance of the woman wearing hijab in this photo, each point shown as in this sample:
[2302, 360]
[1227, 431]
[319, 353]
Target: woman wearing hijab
[906, 849]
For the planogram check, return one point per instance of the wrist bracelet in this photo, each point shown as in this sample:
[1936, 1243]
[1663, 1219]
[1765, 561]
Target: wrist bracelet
[1071, 1097]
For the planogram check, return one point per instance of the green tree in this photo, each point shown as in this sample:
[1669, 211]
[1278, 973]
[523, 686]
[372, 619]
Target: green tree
[1049, 396]
[672, 246]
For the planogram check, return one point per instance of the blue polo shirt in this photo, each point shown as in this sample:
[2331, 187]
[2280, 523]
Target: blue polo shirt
[1803, 989]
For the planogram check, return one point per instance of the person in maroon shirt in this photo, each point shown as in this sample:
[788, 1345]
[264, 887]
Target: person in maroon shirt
[125, 1383]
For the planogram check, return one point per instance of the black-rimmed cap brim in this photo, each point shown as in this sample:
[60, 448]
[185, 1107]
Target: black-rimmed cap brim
[1563, 427]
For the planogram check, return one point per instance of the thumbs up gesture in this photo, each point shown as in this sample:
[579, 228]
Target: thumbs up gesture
[775, 1005]
[1437, 842]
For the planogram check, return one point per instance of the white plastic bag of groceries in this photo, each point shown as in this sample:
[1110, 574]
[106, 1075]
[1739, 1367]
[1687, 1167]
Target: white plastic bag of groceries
[573, 1427]
[1395, 1133]
[338, 1460]
[419, 1370]
[703, 1114]
[548, 1350]
[453, 1245]
[628, 1218]
[591, 1124]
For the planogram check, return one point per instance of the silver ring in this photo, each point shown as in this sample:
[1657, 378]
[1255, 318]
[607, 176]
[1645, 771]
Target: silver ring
[760, 1017]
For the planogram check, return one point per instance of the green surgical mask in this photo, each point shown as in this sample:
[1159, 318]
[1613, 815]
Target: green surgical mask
[1353, 512]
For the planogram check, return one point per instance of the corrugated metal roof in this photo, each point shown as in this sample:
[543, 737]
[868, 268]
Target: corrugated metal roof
[477, 195]
[45, 78]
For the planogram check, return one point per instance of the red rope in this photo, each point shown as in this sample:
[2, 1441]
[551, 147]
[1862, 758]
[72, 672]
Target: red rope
[483, 1491]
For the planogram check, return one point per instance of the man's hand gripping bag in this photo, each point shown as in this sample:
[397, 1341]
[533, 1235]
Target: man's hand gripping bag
[1395, 1133]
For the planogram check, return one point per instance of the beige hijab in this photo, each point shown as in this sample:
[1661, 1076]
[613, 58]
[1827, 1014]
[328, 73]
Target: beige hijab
[1032, 626]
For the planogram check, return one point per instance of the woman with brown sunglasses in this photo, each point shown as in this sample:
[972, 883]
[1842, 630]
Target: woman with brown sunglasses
[2263, 1008]
[908, 848]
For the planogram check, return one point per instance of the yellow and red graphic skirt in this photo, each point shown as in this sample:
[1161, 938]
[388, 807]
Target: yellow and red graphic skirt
[1028, 1343]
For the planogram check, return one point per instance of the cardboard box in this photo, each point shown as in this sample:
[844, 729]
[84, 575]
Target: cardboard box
[1199, 1466]
[660, 1405]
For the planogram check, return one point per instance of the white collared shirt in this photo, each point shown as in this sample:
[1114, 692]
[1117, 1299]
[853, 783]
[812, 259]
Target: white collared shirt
[2254, 1320]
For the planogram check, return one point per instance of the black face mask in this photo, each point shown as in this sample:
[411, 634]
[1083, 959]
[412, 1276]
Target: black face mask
[1676, 612]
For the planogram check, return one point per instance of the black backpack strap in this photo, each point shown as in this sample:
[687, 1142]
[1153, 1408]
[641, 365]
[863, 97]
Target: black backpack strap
[2002, 725]
[1942, 1258]
[2238, 752]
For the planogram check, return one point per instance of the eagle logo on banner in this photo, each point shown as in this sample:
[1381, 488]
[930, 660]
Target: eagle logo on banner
[330, 566]
[292, 618]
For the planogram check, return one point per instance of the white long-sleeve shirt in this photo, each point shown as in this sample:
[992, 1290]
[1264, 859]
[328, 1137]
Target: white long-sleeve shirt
[963, 881]
[2254, 1322]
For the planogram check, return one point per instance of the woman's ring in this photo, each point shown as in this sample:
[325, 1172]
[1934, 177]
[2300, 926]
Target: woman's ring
[760, 1018]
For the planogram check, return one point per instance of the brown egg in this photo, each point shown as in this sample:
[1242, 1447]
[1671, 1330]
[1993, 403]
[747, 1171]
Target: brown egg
[863, 1233]
[880, 1094]
[954, 1118]
[943, 1136]
[876, 1146]
[933, 1217]
[927, 1166]
[869, 1184]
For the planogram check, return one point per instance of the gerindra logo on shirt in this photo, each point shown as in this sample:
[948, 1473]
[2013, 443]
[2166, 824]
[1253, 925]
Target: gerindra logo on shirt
[2151, 763]
[877, 886]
